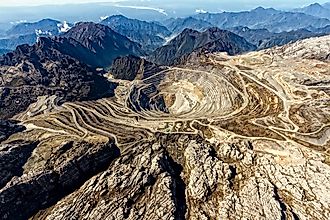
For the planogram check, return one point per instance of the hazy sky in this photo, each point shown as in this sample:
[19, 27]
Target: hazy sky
[226, 4]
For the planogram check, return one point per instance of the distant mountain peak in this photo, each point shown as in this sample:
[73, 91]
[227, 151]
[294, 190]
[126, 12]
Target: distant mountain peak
[316, 10]
[117, 16]
[315, 5]
[105, 43]
[211, 40]
[262, 9]
[149, 34]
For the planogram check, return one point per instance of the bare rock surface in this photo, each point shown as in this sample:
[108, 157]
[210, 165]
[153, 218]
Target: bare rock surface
[241, 137]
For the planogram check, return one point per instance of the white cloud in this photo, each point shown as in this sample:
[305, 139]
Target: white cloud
[162, 11]
[64, 27]
[200, 11]
[18, 22]
[52, 2]
[103, 17]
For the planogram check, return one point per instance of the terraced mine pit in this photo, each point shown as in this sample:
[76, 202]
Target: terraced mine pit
[189, 94]
[220, 137]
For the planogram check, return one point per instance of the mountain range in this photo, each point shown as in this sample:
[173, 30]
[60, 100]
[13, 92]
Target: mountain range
[212, 136]
[150, 35]
[271, 19]
[210, 116]
[43, 69]
[100, 44]
[28, 33]
[316, 9]
[264, 27]
[211, 40]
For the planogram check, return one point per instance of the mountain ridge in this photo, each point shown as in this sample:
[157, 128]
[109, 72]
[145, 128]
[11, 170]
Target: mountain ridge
[149, 34]
[271, 19]
[105, 43]
[190, 40]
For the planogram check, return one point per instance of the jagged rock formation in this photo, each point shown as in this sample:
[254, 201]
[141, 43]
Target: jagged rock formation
[212, 40]
[8, 128]
[43, 70]
[131, 67]
[149, 34]
[242, 137]
[103, 42]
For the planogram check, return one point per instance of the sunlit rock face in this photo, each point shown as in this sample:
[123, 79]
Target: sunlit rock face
[219, 137]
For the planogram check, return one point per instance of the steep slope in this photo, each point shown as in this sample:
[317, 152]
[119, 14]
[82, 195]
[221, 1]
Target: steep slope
[47, 26]
[189, 40]
[132, 68]
[149, 34]
[105, 43]
[177, 25]
[10, 43]
[3, 51]
[30, 72]
[262, 38]
[259, 18]
[243, 137]
[316, 10]
[326, 5]
[28, 33]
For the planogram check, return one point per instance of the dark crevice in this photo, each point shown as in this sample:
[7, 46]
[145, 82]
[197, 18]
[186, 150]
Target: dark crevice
[13, 158]
[137, 196]
[179, 186]
[233, 173]
[294, 215]
[282, 204]
[24, 199]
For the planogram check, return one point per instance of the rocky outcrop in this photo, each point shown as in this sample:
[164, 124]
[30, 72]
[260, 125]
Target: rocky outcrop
[150, 35]
[13, 156]
[144, 184]
[67, 168]
[42, 69]
[105, 43]
[213, 39]
[131, 67]
[8, 128]
[238, 137]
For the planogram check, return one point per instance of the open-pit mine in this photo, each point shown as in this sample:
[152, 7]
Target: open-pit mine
[216, 137]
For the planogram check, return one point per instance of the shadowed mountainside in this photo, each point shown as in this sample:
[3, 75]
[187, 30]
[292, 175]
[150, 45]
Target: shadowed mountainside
[213, 40]
[105, 43]
[149, 34]
[42, 69]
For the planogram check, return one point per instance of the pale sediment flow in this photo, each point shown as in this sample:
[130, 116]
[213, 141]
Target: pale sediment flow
[264, 120]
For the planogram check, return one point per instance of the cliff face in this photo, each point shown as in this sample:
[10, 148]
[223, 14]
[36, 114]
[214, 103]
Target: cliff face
[234, 137]
[131, 67]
